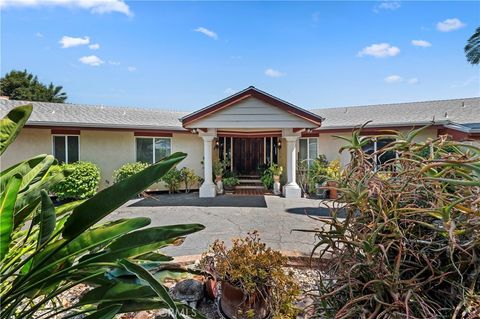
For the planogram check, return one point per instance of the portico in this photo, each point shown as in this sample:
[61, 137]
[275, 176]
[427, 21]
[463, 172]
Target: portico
[253, 129]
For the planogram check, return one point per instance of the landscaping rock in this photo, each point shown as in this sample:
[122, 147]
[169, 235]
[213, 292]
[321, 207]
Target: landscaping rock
[190, 291]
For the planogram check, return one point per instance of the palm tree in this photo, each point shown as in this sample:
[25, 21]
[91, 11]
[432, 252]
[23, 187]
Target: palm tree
[55, 95]
[472, 49]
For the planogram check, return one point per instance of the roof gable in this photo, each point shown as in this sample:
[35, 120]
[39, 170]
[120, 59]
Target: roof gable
[242, 97]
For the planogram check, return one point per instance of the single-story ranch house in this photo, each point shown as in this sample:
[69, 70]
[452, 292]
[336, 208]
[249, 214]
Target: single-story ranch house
[249, 128]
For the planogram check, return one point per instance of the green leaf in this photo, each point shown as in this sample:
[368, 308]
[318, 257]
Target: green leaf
[7, 206]
[105, 313]
[22, 168]
[37, 172]
[47, 219]
[109, 199]
[117, 292]
[142, 241]
[67, 207]
[11, 125]
[154, 284]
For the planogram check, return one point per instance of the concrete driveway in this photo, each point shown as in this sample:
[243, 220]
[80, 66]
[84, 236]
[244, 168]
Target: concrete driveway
[229, 216]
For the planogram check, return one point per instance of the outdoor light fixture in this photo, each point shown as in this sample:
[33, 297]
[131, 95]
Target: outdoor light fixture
[216, 144]
[194, 131]
[279, 144]
[309, 130]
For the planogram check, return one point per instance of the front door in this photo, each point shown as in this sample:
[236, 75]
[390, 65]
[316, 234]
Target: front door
[247, 155]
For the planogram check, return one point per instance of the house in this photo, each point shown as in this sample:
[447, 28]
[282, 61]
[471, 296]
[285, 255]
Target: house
[249, 128]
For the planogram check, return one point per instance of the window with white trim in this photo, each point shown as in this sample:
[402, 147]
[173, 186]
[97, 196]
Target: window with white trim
[66, 148]
[152, 149]
[308, 150]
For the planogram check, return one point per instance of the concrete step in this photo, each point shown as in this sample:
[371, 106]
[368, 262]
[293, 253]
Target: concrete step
[249, 180]
[249, 187]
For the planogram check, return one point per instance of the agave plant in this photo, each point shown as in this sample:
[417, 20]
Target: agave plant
[47, 250]
[409, 244]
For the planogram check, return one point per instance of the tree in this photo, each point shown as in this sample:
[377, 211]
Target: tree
[472, 49]
[21, 85]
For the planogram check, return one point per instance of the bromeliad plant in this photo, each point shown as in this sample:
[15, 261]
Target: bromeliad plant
[46, 250]
[409, 245]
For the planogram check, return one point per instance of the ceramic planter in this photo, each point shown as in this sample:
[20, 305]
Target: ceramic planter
[333, 194]
[218, 178]
[276, 178]
[233, 301]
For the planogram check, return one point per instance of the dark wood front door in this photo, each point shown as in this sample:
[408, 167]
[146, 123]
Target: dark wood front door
[247, 155]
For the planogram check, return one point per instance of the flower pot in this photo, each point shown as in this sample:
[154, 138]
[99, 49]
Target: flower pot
[235, 305]
[218, 178]
[211, 288]
[333, 194]
[276, 178]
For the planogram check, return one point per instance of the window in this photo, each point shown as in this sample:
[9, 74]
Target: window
[375, 147]
[150, 150]
[308, 149]
[66, 148]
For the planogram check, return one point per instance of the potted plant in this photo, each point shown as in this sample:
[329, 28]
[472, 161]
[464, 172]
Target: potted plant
[229, 183]
[218, 169]
[277, 171]
[333, 175]
[253, 282]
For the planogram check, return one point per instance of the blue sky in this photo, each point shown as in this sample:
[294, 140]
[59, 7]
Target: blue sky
[186, 55]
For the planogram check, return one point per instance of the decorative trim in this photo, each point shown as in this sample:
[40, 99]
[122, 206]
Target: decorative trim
[152, 134]
[245, 94]
[78, 128]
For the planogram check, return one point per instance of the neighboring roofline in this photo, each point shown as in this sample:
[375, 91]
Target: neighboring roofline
[462, 128]
[251, 91]
[391, 104]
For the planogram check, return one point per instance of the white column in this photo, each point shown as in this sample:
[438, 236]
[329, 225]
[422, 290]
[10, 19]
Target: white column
[208, 187]
[292, 190]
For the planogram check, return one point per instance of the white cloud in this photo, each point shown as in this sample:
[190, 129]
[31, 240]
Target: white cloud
[39, 35]
[450, 25]
[208, 33]
[379, 50]
[421, 43]
[387, 5]
[273, 73]
[131, 69]
[92, 60]
[229, 91]
[95, 46]
[95, 6]
[68, 42]
[412, 81]
[113, 62]
[393, 79]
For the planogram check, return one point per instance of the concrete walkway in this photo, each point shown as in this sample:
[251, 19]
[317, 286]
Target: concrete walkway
[228, 216]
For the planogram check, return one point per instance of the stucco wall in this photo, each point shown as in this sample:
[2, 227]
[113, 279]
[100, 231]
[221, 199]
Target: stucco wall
[29, 143]
[330, 145]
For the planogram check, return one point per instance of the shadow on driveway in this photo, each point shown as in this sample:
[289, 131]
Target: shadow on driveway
[315, 211]
[192, 199]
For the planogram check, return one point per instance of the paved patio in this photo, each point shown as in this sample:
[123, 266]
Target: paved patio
[230, 216]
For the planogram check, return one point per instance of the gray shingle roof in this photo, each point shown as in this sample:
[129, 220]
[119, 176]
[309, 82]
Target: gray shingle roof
[81, 115]
[460, 111]
[457, 111]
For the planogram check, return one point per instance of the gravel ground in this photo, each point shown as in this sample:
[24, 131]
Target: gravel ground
[306, 278]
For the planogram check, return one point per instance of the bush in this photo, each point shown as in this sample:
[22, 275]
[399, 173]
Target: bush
[267, 179]
[173, 178]
[409, 242]
[80, 184]
[127, 170]
[258, 271]
[230, 181]
[189, 178]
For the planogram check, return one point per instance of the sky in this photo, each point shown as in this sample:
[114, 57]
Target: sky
[186, 55]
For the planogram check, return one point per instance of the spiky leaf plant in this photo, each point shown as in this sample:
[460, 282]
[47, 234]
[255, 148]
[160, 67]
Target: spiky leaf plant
[408, 242]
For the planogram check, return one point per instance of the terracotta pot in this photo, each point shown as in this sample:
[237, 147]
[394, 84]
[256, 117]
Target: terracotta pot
[276, 178]
[211, 288]
[333, 194]
[234, 304]
[218, 178]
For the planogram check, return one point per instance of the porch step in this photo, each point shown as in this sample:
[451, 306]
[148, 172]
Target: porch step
[242, 181]
[249, 186]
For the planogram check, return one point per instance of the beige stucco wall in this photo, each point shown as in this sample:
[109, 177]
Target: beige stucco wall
[107, 149]
[29, 143]
[330, 145]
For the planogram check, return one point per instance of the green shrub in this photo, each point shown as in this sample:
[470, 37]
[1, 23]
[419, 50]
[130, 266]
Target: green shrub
[127, 170]
[230, 181]
[408, 242]
[173, 178]
[80, 184]
[267, 179]
[189, 178]
[47, 250]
